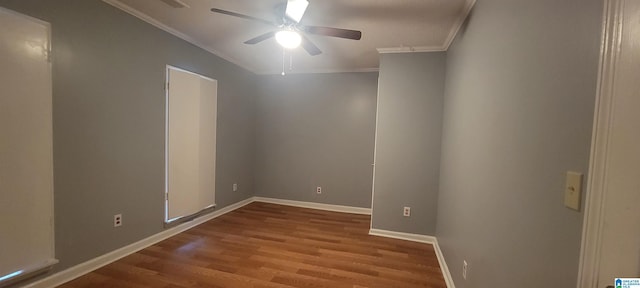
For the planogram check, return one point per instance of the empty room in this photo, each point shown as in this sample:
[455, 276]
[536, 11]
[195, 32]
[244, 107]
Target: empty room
[308, 143]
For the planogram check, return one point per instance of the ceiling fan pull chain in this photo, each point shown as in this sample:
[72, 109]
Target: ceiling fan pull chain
[290, 61]
[283, 57]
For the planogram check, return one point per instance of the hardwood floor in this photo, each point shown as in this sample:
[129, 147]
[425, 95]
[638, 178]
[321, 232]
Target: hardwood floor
[268, 245]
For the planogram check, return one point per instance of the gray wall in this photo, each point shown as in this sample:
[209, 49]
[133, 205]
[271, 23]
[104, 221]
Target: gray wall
[316, 130]
[108, 123]
[519, 100]
[408, 139]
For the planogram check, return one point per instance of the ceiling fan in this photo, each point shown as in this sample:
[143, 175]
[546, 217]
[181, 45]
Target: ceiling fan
[290, 33]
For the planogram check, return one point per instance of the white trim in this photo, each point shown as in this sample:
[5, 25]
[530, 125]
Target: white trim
[411, 49]
[403, 236]
[95, 263]
[443, 266]
[421, 239]
[176, 3]
[312, 205]
[166, 143]
[588, 271]
[146, 18]
[447, 42]
[375, 152]
[456, 27]
[30, 18]
[44, 265]
[320, 71]
[27, 272]
[171, 67]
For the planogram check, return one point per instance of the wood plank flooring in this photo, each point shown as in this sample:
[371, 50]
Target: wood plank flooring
[268, 245]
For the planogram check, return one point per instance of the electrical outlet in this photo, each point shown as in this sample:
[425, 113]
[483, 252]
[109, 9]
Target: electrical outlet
[117, 220]
[465, 267]
[406, 212]
[235, 187]
[318, 190]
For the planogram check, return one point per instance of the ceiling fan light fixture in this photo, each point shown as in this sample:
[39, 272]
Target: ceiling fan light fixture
[288, 39]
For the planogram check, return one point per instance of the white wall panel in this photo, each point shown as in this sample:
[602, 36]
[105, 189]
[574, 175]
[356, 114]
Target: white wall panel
[26, 158]
[191, 143]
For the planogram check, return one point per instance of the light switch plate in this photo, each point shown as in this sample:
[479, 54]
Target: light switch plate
[573, 190]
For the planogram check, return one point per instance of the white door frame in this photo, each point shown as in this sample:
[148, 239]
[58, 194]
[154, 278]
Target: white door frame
[598, 166]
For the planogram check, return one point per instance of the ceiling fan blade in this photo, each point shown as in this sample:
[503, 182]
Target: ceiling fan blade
[333, 32]
[311, 48]
[231, 13]
[260, 38]
[295, 9]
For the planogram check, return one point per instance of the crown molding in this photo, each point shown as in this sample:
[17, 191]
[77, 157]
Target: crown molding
[146, 18]
[456, 27]
[176, 3]
[410, 49]
[321, 71]
[447, 42]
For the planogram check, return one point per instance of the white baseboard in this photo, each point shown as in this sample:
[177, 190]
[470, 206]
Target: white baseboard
[422, 239]
[443, 266]
[403, 236]
[95, 263]
[313, 205]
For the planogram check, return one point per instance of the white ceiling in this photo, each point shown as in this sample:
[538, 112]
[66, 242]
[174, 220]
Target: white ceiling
[386, 25]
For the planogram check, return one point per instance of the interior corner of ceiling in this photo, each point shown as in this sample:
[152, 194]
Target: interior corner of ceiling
[455, 29]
